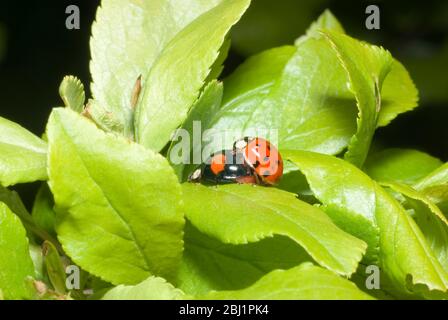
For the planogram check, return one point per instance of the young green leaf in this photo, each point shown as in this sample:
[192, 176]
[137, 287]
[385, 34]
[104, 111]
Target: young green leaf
[218, 65]
[398, 94]
[435, 185]
[13, 201]
[153, 288]
[108, 120]
[178, 75]
[141, 31]
[303, 94]
[367, 66]
[428, 217]
[360, 206]
[400, 165]
[248, 214]
[209, 264]
[38, 261]
[54, 267]
[326, 21]
[305, 282]
[295, 91]
[118, 204]
[244, 92]
[22, 155]
[254, 78]
[15, 263]
[72, 93]
[43, 213]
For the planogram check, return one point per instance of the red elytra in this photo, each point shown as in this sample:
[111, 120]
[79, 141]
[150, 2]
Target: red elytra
[262, 157]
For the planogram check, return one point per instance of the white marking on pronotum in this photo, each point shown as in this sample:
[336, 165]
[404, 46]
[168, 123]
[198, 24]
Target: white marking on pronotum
[195, 175]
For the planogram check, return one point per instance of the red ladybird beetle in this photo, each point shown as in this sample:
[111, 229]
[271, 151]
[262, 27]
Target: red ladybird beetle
[262, 157]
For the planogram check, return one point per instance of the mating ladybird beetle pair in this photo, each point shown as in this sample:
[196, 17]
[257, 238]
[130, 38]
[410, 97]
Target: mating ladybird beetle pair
[251, 160]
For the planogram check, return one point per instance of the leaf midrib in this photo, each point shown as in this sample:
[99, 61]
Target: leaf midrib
[25, 147]
[128, 226]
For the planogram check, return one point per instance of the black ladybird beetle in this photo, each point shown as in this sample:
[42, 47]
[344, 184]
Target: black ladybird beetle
[224, 166]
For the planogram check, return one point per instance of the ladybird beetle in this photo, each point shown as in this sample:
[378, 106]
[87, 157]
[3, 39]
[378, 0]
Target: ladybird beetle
[224, 166]
[262, 157]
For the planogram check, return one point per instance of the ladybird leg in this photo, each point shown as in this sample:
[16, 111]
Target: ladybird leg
[257, 178]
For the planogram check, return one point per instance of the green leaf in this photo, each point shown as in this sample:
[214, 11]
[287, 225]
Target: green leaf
[361, 207]
[400, 165]
[107, 120]
[244, 91]
[189, 153]
[72, 93]
[54, 267]
[367, 66]
[218, 65]
[38, 263]
[350, 206]
[22, 155]
[209, 264]
[15, 263]
[43, 213]
[325, 21]
[295, 182]
[178, 75]
[240, 214]
[304, 92]
[15, 204]
[305, 282]
[428, 217]
[13, 201]
[114, 218]
[435, 185]
[127, 38]
[152, 288]
[254, 78]
[398, 94]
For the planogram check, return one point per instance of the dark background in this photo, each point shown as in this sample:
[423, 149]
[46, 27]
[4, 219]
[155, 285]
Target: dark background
[36, 51]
